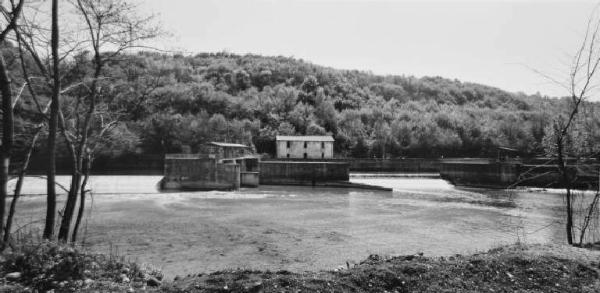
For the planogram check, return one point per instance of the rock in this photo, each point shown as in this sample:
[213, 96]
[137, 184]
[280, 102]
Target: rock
[130, 290]
[13, 276]
[153, 282]
[67, 250]
[87, 273]
[88, 281]
[125, 270]
[124, 278]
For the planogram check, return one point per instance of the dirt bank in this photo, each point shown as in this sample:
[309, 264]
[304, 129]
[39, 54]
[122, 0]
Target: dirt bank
[516, 268]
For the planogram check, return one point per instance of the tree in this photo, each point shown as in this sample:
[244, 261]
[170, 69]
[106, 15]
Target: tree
[11, 16]
[52, 128]
[582, 81]
[113, 26]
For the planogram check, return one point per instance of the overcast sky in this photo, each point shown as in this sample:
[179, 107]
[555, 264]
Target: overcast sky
[490, 42]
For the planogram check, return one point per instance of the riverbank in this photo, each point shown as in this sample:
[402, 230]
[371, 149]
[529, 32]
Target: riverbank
[516, 268]
[522, 268]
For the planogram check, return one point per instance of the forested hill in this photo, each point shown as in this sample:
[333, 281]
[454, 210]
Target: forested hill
[250, 99]
[191, 100]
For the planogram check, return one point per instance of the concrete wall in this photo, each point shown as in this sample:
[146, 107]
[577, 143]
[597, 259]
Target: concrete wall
[581, 176]
[395, 165]
[480, 173]
[313, 150]
[200, 174]
[304, 173]
[408, 165]
[249, 179]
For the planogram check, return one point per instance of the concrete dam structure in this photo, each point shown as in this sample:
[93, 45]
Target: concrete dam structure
[494, 173]
[302, 173]
[226, 166]
[231, 166]
[479, 172]
[194, 172]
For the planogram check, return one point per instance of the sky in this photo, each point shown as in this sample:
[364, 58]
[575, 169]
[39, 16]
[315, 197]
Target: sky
[497, 43]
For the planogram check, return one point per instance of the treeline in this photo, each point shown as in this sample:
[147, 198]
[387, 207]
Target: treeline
[174, 103]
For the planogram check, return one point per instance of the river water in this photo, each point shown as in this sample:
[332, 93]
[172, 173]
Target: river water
[301, 228]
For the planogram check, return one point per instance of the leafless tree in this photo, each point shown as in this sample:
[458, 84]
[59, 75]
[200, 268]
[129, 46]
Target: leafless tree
[11, 15]
[53, 127]
[582, 84]
[113, 27]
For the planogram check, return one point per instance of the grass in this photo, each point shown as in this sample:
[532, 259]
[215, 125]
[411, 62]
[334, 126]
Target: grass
[517, 268]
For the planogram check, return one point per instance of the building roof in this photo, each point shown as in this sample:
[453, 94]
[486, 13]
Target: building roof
[508, 149]
[304, 137]
[229, 145]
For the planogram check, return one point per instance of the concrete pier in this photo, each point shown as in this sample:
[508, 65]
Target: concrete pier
[480, 172]
[302, 173]
[193, 172]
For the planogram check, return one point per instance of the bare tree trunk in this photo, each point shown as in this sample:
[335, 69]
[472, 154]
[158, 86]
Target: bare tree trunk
[7, 113]
[19, 186]
[65, 224]
[69, 211]
[588, 218]
[53, 127]
[82, 193]
[567, 183]
[7, 136]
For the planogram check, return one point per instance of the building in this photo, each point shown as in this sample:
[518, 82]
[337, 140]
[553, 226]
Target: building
[304, 147]
[226, 166]
[225, 150]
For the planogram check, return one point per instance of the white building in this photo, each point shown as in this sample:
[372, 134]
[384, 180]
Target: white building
[304, 147]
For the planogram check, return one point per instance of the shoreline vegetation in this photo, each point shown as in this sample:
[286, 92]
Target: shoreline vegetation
[36, 266]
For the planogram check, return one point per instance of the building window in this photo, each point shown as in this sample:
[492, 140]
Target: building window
[305, 143]
[288, 155]
[322, 145]
[322, 155]
[305, 156]
[288, 144]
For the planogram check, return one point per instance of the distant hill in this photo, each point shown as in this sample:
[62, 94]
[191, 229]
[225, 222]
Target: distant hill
[250, 99]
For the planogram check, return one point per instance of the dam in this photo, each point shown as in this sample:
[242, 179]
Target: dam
[494, 173]
[229, 166]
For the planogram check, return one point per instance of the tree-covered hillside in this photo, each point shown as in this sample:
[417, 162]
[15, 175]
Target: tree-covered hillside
[175, 102]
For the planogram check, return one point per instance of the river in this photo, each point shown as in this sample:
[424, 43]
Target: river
[300, 228]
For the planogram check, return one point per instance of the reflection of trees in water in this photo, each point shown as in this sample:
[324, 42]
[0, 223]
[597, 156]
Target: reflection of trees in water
[539, 216]
[586, 216]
